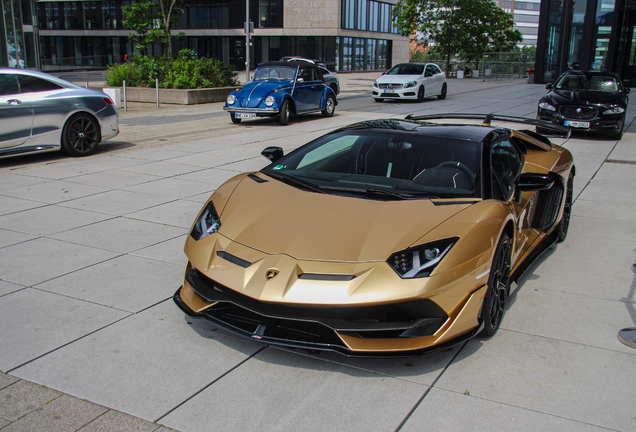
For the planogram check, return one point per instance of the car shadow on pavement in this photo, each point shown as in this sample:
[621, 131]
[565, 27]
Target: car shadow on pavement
[47, 158]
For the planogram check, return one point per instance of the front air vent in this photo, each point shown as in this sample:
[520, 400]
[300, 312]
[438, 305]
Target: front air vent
[234, 259]
[548, 206]
[325, 277]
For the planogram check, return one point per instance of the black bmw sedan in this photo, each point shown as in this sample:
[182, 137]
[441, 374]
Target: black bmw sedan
[586, 101]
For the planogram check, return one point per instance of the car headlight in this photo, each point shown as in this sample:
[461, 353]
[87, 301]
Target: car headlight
[420, 261]
[269, 100]
[410, 84]
[208, 223]
[231, 99]
[546, 106]
[615, 110]
[375, 84]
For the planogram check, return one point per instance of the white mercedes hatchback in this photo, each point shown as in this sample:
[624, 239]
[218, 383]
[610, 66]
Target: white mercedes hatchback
[411, 81]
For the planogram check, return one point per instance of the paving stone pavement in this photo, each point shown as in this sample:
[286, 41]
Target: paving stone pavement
[91, 251]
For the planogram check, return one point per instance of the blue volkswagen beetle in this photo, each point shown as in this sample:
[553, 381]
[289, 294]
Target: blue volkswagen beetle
[282, 89]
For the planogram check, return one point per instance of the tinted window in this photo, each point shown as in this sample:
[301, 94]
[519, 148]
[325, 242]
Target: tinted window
[8, 84]
[386, 160]
[308, 75]
[436, 70]
[429, 70]
[506, 164]
[30, 84]
[407, 69]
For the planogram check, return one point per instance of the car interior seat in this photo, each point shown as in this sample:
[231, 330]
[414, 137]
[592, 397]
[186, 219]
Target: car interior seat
[390, 158]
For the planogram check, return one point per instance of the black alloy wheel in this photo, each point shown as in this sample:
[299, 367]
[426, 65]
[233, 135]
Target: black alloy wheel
[443, 95]
[284, 113]
[492, 310]
[567, 210]
[80, 135]
[234, 119]
[420, 94]
[330, 106]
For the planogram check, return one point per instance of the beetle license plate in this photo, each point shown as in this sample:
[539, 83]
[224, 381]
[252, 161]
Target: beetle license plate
[577, 124]
[244, 116]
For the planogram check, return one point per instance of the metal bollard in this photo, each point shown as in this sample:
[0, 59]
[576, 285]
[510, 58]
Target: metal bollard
[157, 86]
[125, 101]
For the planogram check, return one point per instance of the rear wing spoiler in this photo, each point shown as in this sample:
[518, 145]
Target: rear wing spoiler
[488, 118]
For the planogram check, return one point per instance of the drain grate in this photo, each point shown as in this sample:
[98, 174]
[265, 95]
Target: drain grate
[618, 161]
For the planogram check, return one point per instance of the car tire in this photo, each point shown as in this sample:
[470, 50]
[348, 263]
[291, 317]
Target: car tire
[378, 99]
[562, 229]
[330, 106]
[443, 94]
[80, 135]
[234, 119]
[284, 113]
[420, 94]
[493, 308]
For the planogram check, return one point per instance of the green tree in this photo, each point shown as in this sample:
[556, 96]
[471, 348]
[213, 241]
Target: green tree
[467, 27]
[151, 23]
[437, 21]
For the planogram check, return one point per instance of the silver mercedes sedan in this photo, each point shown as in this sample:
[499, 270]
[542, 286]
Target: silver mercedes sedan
[40, 113]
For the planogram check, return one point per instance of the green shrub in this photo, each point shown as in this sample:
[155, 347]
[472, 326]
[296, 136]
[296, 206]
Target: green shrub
[180, 72]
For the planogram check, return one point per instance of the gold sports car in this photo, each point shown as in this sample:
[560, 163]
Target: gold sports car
[384, 237]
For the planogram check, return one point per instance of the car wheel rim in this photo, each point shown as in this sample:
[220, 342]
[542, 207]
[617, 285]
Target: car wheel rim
[329, 105]
[500, 277]
[83, 135]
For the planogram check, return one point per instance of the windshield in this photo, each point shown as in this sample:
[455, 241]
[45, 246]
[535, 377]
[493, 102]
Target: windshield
[406, 69]
[274, 72]
[600, 83]
[381, 164]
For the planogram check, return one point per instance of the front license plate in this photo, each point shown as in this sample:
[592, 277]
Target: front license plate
[244, 116]
[577, 124]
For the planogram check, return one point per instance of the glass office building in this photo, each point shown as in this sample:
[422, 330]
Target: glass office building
[18, 35]
[586, 35]
[347, 35]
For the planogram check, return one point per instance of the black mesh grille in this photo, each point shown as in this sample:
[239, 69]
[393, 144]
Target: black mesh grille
[579, 113]
[548, 206]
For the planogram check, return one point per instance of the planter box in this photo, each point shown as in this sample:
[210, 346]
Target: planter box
[177, 96]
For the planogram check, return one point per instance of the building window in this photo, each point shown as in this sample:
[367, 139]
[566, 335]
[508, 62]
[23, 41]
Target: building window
[368, 15]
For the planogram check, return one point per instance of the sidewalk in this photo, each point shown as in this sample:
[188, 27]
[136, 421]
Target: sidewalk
[91, 252]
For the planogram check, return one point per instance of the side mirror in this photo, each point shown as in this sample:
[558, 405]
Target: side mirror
[534, 182]
[548, 86]
[300, 80]
[531, 182]
[628, 90]
[273, 153]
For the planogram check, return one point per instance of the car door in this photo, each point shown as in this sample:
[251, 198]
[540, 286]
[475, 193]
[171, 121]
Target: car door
[309, 91]
[432, 85]
[439, 77]
[16, 114]
[49, 110]
[506, 163]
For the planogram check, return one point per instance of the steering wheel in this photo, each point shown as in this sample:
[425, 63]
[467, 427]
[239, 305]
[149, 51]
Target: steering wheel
[462, 167]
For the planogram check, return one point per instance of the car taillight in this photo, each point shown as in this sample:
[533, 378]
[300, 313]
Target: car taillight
[109, 101]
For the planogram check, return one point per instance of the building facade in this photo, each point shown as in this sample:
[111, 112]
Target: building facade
[587, 35]
[347, 35]
[525, 14]
[18, 35]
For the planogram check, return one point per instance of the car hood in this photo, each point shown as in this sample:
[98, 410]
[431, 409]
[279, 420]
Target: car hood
[276, 218]
[397, 79]
[253, 93]
[583, 97]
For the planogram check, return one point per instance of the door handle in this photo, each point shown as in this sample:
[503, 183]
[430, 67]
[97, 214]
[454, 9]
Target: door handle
[14, 102]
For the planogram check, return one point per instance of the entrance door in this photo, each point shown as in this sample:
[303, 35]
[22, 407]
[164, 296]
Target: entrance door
[628, 69]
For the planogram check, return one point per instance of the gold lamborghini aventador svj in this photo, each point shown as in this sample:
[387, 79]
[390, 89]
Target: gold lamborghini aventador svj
[384, 237]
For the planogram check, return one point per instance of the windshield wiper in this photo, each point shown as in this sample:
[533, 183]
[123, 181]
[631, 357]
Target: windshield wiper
[295, 181]
[378, 192]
